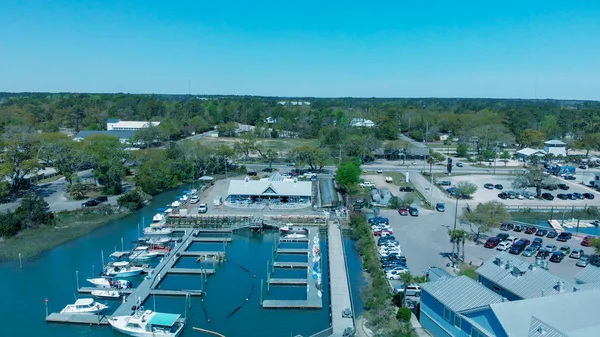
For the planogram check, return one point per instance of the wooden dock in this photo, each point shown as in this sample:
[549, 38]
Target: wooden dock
[218, 240]
[292, 251]
[290, 304]
[214, 230]
[288, 281]
[293, 240]
[191, 271]
[77, 319]
[338, 280]
[157, 292]
[278, 264]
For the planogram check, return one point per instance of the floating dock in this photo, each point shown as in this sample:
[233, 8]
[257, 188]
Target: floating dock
[218, 240]
[338, 281]
[293, 240]
[313, 300]
[278, 264]
[292, 251]
[77, 319]
[191, 271]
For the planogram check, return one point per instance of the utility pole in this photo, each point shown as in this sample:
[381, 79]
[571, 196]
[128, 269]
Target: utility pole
[340, 157]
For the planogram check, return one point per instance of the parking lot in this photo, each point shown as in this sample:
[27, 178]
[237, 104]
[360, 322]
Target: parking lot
[485, 195]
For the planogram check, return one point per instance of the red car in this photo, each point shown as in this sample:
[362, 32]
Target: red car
[403, 211]
[386, 232]
[587, 241]
[377, 233]
[531, 230]
[492, 242]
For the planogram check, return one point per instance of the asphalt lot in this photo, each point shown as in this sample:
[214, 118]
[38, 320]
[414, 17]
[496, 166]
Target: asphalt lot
[485, 195]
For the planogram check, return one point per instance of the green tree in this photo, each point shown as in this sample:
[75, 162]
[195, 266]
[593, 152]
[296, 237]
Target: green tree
[403, 315]
[465, 189]
[108, 158]
[430, 161]
[224, 153]
[309, 155]
[246, 145]
[227, 129]
[458, 237]
[270, 156]
[462, 150]
[34, 211]
[531, 138]
[19, 159]
[532, 176]
[10, 224]
[76, 188]
[348, 174]
[132, 200]
[146, 136]
[485, 217]
[505, 156]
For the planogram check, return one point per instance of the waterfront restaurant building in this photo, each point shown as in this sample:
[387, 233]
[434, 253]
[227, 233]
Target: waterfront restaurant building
[273, 190]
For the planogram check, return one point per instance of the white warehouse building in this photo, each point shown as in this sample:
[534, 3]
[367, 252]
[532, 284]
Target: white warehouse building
[117, 124]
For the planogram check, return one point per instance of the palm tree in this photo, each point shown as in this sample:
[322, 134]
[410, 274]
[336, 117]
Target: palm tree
[430, 161]
[458, 236]
[407, 279]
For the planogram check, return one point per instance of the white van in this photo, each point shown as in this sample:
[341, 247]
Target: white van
[411, 290]
[389, 180]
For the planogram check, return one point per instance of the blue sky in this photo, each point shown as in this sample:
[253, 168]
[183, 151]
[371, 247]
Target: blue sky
[499, 49]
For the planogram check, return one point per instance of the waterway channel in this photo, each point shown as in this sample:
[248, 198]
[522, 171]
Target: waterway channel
[52, 276]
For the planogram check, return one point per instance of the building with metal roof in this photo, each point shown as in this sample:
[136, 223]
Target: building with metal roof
[588, 274]
[123, 135]
[516, 279]
[437, 273]
[272, 190]
[117, 124]
[556, 147]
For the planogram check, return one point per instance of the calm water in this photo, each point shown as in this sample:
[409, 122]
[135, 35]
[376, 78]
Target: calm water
[53, 276]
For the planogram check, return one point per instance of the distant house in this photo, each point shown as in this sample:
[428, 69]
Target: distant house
[555, 147]
[124, 136]
[117, 124]
[526, 153]
[417, 153]
[293, 103]
[444, 137]
[270, 120]
[361, 122]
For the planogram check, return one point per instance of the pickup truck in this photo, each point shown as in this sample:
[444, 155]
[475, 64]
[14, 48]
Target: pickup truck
[389, 180]
[366, 184]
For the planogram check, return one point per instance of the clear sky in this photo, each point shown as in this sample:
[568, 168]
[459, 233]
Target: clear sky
[500, 49]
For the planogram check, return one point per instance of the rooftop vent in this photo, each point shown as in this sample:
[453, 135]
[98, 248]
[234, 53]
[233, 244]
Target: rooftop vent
[498, 261]
[516, 272]
[575, 289]
[560, 286]
[247, 179]
[541, 331]
[532, 266]
[508, 264]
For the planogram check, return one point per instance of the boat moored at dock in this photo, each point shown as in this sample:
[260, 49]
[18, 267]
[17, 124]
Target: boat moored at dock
[291, 229]
[148, 324]
[106, 283]
[101, 293]
[84, 306]
[122, 269]
[143, 254]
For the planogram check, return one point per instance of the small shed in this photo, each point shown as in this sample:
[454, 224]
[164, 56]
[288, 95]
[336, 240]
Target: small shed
[207, 180]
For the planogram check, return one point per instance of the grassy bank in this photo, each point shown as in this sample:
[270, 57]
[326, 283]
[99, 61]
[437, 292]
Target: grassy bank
[377, 294]
[69, 225]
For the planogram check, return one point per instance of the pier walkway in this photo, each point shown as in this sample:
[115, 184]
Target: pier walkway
[217, 240]
[278, 264]
[292, 251]
[340, 288]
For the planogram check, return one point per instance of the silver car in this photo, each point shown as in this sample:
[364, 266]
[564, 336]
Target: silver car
[583, 261]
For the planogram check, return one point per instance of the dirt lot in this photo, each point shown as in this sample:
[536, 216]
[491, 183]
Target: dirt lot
[485, 195]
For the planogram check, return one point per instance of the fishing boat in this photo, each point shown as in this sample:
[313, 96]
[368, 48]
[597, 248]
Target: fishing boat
[84, 306]
[295, 236]
[291, 229]
[148, 324]
[158, 230]
[122, 269]
[106, 293]
[106, 283]
[143, 254]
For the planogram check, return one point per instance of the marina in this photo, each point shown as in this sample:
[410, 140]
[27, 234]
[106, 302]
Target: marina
[278, 264]
[340, 286]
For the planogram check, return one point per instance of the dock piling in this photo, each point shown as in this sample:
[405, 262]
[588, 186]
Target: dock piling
[46, 303]
[77, 278]
[21, 264]
[102, 253]
[93, 271]
[261, 291]
[122, 246]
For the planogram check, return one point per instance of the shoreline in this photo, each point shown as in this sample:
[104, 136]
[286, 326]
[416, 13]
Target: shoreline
[70, 225]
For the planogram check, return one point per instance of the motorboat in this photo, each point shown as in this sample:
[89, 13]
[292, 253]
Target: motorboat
[160, 249]
[158, 217]
[106, 283]
[158, 230]
[84, 306]
[148, 324]
[123, 269]
[295, 236]
[106, 293]
[143, 253]
[291, 229]
[158, 241]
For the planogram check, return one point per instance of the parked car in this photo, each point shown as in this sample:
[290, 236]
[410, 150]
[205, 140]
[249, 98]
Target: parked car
[562, 196]
[583, 261]
[512, 239]
[378, 220]
[101, 199]
[565, 249]
[403, 211]
[440, 207]
[507, 226]
[444, 183]
[543, 253]
[268, 169]
[517, 247]
[530, 230]
[411, 290]
[570, 177]
[379, 171]
[502, 246]
[557, 257]
[489, 186]
[552, 234]
[551, 248]
[194, 199]
[202, 208]
[541, 232]
[588, 196]
[499, 186]
[90, 203]
[577, 195]
[576, 253]
[491, 242]
[406, 189]
[587, 241]
[518, 228]
[547, 196]
[459, 164]
[413, 211]
[563, 187]
[502, 236]
[550, 187]
[503, 195]
[531, 250]
[537, 242]
[564, 237]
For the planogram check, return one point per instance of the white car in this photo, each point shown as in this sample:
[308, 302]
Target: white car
[194, 199]
[504, 245]
[202, 208]
[366, 184]
[395, 274]
[511, 239]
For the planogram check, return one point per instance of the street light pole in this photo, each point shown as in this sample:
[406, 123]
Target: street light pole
[456, 212]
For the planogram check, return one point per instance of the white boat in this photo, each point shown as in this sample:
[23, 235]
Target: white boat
[157, 230]
[291, 229]
[295, 236]
[158, 217]
[143, 253]
[122, 269]
[84, 306]
[148, 324]
[104, 283]
[106, 293]
[157, 241]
